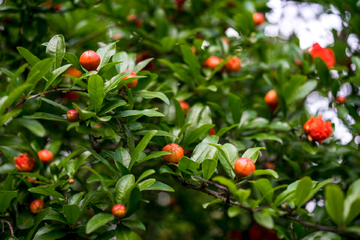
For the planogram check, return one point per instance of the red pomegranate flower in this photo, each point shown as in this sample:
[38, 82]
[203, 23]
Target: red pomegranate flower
[317, 129]
[326, 54]
[24, 163]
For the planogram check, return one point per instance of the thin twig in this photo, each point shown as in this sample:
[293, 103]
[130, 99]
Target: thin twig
[51, 91]
[10, 227]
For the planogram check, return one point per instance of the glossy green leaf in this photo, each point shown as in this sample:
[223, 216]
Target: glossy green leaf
[141, 146]
[5, 199]
[106, 53]
[204, 151]
[56, 49]
[142, 64]
[47, 191]
[98, 221]
[302, 191]
[159, 186]
[208, 167]
[134, 224]
[7, 101]
[252, 153]
[269, 172]
[264, 219]
[334, 203]
[145, 174]
[39, 217]
[96, 91]
[55, 104]
[30, 58]
[72, 213]
[264, 186]
[111, 106]
[46, 116]
[351, 209]
[25, 219]
[56, 73]
[151, 95]
[185, 165]
[123, 188]
[236, 107]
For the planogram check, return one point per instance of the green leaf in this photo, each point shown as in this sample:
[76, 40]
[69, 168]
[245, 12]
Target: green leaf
[205, 205]
[356, 61]
[141, 146]
[191, 60]
[235, 106]
[264, 219]
[198, 132]
[142, 64]
[227, 183]
[106, 53]
[167, 169]
[302, 191]
[208, 167]
[111, 106]
[241, 195]
[351, 202]
[114, 82]
[139, 113]
[104, 69]
[133, 224]
[264, 137]
[96, 91]
[47, 191]
[227, 157]
[5, 117]
[90, 196]
[123, 157]
[123, 188]
[146, 183]
[265, 188]
[103, 160]
[25, 220]
[37, 72]
[322, 235]
[226, 129]
[334, 203]
[56, 73]
[145, 174]
[322, 71]
[60, 106]
[151, 95]
[266, 172]
[71, 58]
[185, 165]
[124, 233]
[50, 232]
[46, 116]
[14, 77]
[72, 213]
[32, 125]
[56, 49]
[134, 201]
[32, 175]
[303, 91]
[252, 153]
[159, 186]
[14, 95]
[39, 217]
[204, 151]
[5, 199]
[98, 221]
[30, 58]
[180, 115]
[56, 216]
[233, 211]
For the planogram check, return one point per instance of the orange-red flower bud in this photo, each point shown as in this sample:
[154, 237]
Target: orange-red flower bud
[234, 64]
[244, 167]
[45, 156]
[118, 210]
[212, 62]
[326, 54]
[185, 106]
[90, 60]
[271, 99]
[341, 99]
[24, 162]
[133, 83]
[317, 129]
[258, 18]
[36, 206]
[176, 151]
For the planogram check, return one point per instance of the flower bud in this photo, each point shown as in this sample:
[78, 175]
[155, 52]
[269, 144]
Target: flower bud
[244, 167]
[326, 54]
[233, 65]
[176, 153]
[72, 115]
[341, 99]
[271, 99]
[133, 83]
[317, 129]
[36, 206]
[90, 60]
[185, 106]
[118, 210]
[24, 162]
[258, 18]
[212, 62]
[45, 156]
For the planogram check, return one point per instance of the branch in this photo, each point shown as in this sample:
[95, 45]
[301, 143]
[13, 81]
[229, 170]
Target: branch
[224, 199]
[51, 91]
[11, 229]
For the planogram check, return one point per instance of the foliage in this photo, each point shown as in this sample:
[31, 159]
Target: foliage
[113, 154]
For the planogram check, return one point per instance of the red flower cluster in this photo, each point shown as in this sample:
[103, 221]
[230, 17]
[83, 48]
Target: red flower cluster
[24, 163]
[326, 54]
[317, 129]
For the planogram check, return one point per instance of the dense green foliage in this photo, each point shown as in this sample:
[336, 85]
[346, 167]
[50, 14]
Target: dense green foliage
[114, 152]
